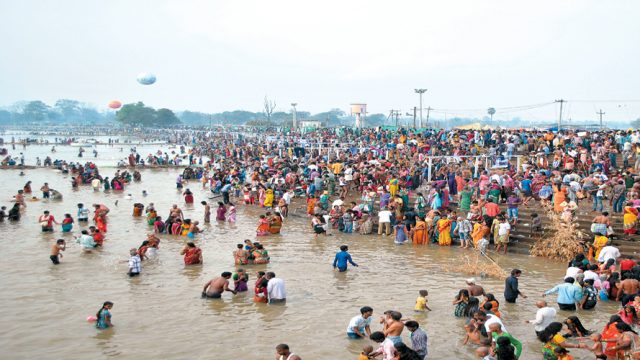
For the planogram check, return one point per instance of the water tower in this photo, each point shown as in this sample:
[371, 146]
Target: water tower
[360, 112]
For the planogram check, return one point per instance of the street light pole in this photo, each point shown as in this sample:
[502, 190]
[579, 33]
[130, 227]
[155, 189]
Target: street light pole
[420, 92]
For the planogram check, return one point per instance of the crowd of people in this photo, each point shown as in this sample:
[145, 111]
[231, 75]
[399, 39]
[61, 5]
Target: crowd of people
[425, 187]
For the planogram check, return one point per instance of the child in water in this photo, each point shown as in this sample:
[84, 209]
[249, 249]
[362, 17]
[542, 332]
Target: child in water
[421, 301]
[240, 281]
[366, 351]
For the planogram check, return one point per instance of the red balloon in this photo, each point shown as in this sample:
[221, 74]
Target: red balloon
[115, 104]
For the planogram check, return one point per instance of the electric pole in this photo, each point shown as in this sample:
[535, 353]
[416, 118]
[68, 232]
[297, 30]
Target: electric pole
[394, 114]
[601, 113]
[428, 111]
[414, 116]
[561, 101]
[420, 92]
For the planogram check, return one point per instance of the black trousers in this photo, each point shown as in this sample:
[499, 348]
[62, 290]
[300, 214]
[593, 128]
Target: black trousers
[570, 307]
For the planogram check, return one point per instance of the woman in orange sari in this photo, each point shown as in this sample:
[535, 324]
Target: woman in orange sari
[263, 226]
[419, 232]
[311, 203]
[480, 230]
[444, 232]
[275, 223]
[559, 196]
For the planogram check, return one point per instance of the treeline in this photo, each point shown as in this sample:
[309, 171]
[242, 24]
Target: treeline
[62, 111]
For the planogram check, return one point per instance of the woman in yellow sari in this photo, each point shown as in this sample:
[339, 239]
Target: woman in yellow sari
[393, 186]
[268, 200]
[419, 232]
[444, 232]
[630, 220]
[599, 242]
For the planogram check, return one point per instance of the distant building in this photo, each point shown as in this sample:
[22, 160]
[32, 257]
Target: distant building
[315, 124]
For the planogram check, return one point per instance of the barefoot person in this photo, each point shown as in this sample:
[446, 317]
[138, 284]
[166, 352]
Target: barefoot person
[214, 288]
[207, 212]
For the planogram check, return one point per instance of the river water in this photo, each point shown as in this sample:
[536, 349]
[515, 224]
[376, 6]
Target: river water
[161, 315]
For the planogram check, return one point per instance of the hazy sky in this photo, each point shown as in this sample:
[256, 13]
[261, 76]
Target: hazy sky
[225, 55]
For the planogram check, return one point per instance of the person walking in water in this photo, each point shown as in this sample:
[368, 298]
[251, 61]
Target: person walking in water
[283, 353]
[342, 259]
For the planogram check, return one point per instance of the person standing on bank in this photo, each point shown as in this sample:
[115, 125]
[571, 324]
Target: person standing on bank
[511, 291]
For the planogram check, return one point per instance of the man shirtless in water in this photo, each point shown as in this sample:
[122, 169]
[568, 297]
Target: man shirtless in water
[216, 286]
[176, 212]
[392, 326]
[628, 288]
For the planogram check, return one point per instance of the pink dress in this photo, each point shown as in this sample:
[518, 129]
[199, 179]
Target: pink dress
[231, 216]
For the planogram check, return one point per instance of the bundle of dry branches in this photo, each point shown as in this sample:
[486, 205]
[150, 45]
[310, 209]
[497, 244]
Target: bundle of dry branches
[476, 264]
[563, 241]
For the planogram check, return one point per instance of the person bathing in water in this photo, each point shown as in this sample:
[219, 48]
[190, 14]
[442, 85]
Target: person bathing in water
[214, 288]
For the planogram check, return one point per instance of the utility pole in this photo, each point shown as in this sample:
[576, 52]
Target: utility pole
[394, 113]
[561, 101]
[415, 109]
[601, 113]
[420, 92]
[428, 111]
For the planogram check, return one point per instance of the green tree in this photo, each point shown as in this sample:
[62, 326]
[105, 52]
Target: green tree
[35, 111]
[166, 117]
[140, 115]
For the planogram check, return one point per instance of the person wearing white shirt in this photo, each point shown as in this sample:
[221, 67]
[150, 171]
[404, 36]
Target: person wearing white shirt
[488, 319]
[384, 221]
[572, 272]
[608, 252]
[287, 197]
[338, 202]
[544, 316]
[275, 289]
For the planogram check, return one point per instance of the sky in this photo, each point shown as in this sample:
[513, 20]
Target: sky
[214, 56]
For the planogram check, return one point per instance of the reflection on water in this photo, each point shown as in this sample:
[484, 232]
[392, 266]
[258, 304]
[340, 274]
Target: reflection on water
[161, 314]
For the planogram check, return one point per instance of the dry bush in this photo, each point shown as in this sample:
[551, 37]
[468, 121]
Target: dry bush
[476, 264]
[562, 241]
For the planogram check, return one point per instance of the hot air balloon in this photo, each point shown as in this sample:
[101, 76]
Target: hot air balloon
[146, 78]
[115, 104]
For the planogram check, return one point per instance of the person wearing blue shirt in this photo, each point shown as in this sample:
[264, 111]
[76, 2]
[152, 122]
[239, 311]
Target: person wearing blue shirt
[342, 258]
[568, 294]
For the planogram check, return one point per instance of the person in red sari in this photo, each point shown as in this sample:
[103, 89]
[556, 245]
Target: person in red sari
[192, 254]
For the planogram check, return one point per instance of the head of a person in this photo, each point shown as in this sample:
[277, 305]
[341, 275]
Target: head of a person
[60, 241]
[344, 248]
[569, 280]
[367, 349]
[366, 311]
[395, 315]
[540, 304]
[550, 331]
[226, 275]
[133, 251]
[270, 275]
[203, 202]
[377, 336]
[283, 349]
[412, 325]
[516, 272]
[423, 293]
[482, 351]
[480, 315]
[463, 294]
